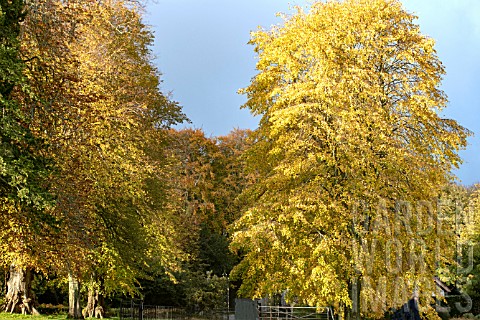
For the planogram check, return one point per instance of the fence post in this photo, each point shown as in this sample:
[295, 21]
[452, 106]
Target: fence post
[132, 309]
[140, 310]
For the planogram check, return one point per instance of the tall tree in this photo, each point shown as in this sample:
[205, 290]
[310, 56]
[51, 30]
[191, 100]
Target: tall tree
[232, 177]
[352, 154]
[90, 64]
[192, 177]
[205, 175]
[24, 168]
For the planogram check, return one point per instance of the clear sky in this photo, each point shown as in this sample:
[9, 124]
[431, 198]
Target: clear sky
[202, 52]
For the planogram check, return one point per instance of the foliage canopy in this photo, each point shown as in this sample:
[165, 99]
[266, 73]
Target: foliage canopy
[352, 154]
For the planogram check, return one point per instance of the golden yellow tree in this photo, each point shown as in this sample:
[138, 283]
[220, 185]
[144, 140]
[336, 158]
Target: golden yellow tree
[352, 154]
[90, 65]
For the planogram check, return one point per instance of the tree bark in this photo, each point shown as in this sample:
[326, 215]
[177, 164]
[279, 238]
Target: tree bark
[74, 310]
[341, 312]
[89, 310]
[95, 305]
[20, 297]
[355, 296]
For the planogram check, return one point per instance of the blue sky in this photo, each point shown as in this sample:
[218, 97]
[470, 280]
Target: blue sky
[202, 52]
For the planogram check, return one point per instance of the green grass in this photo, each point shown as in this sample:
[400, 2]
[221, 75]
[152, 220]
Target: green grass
[60, 316]
[8, 316]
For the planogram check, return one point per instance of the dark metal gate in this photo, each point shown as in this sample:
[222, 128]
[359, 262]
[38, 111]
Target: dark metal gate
[136, 310]
[132, 309]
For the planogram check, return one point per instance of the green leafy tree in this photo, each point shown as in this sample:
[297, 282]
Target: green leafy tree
[455, 204]
[351, 154]
[25, 203]
[91, 67]
[467, 268]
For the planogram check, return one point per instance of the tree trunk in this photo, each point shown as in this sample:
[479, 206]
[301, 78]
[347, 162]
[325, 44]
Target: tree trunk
[341, 312]
[20, 297]
[89, 310]
[355, 296]
[95, 305]
[74, 311]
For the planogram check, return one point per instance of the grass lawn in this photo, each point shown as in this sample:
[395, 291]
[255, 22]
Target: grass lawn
[8, 316]
[60, 316]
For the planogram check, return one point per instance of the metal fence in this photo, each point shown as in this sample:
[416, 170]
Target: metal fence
[293, 313]
[136, 310]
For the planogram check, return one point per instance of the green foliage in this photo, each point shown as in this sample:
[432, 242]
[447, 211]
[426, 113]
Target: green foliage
[454, 202]
[197, 183]
[349, 99]
[50, 289]
[21, 168]
[206, 292]
[103, 109]
[193, 289]
[215, 253]
[87, 95]
[459, 207]
[11, 66]
[468, 270]
[25, 200]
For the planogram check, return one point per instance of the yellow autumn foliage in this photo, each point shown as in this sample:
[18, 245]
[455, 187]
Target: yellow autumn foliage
[99, 109]
[352, 154]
